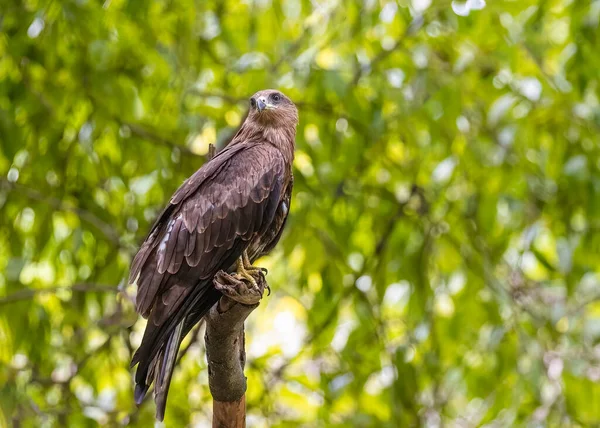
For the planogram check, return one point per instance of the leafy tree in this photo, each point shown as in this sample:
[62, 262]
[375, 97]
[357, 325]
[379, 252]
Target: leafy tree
[441, 261]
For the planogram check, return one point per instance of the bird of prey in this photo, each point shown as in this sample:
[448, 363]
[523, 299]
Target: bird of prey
[222, 218]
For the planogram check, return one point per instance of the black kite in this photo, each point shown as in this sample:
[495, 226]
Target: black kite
[225, 216]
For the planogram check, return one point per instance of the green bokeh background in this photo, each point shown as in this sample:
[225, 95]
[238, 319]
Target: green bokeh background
[441, 261]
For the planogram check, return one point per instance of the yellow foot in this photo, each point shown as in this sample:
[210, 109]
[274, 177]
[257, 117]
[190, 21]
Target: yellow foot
[246, 285]
[255, 271]
[247, 265]
[247, 292]
[244, 273]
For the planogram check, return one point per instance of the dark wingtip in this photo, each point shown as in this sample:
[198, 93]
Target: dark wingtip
[160, 399]
[140, 393]
[135, 359]
[160, 413]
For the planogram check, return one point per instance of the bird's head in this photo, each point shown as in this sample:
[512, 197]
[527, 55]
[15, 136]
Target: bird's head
[271, 108]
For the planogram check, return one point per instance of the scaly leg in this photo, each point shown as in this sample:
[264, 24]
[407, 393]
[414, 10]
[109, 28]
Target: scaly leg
[248, 264]
[244, 271]
[255, 270]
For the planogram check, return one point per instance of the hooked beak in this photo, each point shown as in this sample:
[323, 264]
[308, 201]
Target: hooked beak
[262, 104]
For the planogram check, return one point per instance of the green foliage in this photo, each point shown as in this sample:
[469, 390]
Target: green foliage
[441, 262]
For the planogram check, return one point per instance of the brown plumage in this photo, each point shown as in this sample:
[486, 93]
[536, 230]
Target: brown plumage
[238, 201]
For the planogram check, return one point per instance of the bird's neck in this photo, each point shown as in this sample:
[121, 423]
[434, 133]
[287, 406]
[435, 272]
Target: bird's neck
[282, 138]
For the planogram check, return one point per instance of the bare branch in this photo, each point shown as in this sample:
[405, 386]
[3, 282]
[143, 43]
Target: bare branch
[225, 351]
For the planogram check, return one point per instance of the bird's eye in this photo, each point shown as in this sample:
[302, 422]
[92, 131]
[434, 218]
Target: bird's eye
[252, 102]
[276, 98]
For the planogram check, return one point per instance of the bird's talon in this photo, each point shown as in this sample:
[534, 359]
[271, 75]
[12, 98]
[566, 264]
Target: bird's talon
[248, 278]
[238, 288]
[246, 285]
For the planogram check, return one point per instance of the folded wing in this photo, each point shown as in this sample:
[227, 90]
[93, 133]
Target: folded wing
[207, 225]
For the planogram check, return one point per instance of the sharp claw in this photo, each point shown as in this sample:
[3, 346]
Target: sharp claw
[251, 280]
[238, 287]
[245, 285]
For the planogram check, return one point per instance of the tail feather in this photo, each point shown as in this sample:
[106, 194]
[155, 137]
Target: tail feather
[157, 354]
[165, 370]
[144, 378]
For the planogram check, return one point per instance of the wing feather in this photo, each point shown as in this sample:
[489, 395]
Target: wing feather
[191, 214]
[218, 225]
[191, 243]
[194, 258]
[178, 255]
[226, 226]
[170, 241]
[247, 216]
[148, 285]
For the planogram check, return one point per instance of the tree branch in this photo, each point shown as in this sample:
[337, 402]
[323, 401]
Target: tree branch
[225, 349]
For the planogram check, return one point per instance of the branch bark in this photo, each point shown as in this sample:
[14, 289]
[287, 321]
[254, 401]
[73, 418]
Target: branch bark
[226, 354]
